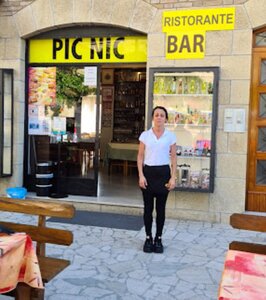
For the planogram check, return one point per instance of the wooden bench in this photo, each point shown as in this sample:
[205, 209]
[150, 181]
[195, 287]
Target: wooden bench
[49, 266]
[248, 222]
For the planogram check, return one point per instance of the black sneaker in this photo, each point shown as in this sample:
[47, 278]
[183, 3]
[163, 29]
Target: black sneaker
[158, 246]
[148, 245]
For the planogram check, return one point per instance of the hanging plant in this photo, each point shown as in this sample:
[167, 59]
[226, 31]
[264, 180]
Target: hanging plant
[69, 87]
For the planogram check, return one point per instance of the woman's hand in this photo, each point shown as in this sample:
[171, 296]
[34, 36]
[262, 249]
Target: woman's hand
[142, 182]
[171, 184]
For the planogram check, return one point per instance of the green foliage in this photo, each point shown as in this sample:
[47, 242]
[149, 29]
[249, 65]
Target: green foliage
[69, 86]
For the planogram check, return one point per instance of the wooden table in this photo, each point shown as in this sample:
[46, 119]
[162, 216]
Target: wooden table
[18, 263]
[123, 153]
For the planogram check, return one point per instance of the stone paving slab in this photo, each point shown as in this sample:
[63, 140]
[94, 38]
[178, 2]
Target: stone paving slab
[109, 263]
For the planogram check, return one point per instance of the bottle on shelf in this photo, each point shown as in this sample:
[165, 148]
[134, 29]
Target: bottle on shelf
[180, 86]
[75, 136]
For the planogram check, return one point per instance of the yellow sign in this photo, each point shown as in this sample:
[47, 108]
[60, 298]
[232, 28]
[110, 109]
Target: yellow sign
[185, 30]
[89, 50]
[199, 19]
[182, 45]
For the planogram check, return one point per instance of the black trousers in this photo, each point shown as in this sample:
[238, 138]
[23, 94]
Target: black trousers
[157, 177]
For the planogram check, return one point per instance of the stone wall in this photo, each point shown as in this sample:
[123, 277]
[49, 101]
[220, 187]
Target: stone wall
[10, 7]
[168, 4]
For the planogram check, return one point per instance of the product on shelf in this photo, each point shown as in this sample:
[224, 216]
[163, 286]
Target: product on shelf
[188, 95]
[205, 178]
[183, 174]
[195, 179]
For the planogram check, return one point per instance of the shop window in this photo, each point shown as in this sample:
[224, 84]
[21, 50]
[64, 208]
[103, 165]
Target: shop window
[6, 129]
[190, 96]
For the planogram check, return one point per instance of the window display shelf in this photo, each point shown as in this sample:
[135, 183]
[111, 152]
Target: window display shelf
[183, 95]
[190, 97]
[192, 157]
[129, 110]
[181, 126]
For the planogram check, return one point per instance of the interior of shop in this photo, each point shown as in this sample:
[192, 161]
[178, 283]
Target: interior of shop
[82, 139]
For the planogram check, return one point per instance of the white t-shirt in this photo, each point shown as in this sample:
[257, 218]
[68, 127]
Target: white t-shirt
[157, 151]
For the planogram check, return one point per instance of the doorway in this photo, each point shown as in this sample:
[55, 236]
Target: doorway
[71, 128]
[63, 131]
[256, 175]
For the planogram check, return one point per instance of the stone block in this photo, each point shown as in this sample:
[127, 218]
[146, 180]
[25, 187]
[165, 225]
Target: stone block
[155, 62]
[156, 25]
[228, 2]
[102, 11]
[25, 21]
[17, 65]
[171, 200]
[19, 108]
[193, 201]
[256, 11]
[122, 12]
[219, 42]
[237, 142]
[2, 48]
[242, 41]
[42, 14]
[18, 154]
[8, 28]
[82, 11]
[235, 67]
[221, 141]
[231, 166]
[204, 216]
[240, 92]
[225, 218]
[17, 176]
[15, 48]
[62, 11]
[143, 16]
[220, 121]
[208, 61]
[224, 91]
[242, 20]
[228, 196]
[18, 133]
[19, 91]
[156, 45]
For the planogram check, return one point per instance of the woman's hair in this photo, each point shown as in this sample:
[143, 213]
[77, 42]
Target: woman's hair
[160, 107]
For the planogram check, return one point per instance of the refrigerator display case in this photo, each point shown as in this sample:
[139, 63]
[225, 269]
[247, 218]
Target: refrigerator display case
[190, 97]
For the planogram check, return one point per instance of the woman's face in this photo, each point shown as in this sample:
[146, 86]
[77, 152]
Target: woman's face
[159, 117]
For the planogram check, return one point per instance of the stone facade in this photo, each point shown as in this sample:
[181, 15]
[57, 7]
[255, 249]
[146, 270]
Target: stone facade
[169, 4]
[9, 8]
[229, 50]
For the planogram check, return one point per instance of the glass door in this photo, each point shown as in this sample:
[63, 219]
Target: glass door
[63, 130]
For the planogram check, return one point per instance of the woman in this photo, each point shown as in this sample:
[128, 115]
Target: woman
[157, 149]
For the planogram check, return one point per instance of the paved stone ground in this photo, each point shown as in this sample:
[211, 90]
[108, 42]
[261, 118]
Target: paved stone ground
[109, 264]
